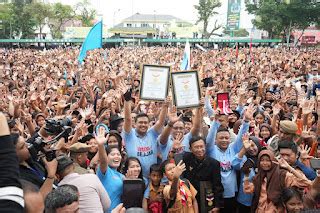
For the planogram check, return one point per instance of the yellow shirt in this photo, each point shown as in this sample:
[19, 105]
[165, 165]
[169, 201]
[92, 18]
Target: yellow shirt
[177, 206]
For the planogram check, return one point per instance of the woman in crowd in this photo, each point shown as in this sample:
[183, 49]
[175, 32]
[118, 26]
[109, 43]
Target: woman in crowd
[132, 168]
[292, 200]
[271, 179]
[110, 160]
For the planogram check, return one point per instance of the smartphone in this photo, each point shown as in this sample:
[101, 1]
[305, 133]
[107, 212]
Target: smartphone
[223, 102]
[178, 158]
[208, 82]
[133, 190]
[315, 163]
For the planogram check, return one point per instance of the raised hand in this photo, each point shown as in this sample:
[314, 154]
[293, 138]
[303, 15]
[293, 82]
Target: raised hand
[248, 114]
[87, 112]
[167, 101]
[34, 96]
[42, 96]
[123, 88]
[79, 125]
[62, 104]
[283, 163]
[256, 130]
[179, 169]
[305, 132]
[177, 142]
[248, 187]
[301, 98]
[130, 174]
[307, 107]
[210, 91]
[19, 126]
[304, 152]
[245, 141]
[28, 117]
[101, 137]
[172, 115]
[276, 109]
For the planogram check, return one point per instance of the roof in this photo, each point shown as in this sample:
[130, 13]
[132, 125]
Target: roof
[151, 17]
[132, 30]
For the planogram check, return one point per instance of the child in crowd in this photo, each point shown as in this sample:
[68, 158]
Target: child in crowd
[153, 196]
[180, 195]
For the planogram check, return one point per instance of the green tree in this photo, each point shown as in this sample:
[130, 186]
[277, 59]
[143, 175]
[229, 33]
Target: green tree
[85, 13]
[60, 15]
[280, 17]
[205, 10]
[22, 21]
[41, 13]
[6, 21]
[238, 33]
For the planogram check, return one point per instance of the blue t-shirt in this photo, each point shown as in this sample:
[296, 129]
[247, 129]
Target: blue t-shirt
[113, 183]
[145, 148]
[228, 173]
[166, 148]
[243, 198]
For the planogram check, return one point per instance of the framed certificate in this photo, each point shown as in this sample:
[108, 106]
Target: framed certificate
[154, 82]
[186, 89]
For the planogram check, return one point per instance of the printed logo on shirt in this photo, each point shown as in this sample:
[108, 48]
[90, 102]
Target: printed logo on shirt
[144, 151]
[225, 166]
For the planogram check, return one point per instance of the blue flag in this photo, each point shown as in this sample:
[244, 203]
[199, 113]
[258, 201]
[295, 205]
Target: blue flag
[92, 41]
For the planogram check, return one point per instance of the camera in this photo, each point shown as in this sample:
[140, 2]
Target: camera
[60, 128]
[54, 127]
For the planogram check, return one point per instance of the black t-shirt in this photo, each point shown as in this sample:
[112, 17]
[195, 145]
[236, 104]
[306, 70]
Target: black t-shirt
[34, 174]
[9, 173]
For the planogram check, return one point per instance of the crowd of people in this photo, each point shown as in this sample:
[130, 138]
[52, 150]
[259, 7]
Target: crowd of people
[77, 137]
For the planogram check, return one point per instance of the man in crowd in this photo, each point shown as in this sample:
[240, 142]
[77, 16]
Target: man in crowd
[141, 142]
[288, 150]
[201, 168]
[92, 195]
[63, 199]
[79, 156]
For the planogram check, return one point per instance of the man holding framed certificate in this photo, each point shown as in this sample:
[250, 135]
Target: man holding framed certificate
[141, 142]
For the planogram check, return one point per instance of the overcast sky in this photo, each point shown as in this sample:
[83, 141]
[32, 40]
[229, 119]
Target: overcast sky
[183, 9]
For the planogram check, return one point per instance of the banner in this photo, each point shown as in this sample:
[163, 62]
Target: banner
[233, 15]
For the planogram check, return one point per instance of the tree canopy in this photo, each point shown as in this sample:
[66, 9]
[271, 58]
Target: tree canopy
[21, 18]
[238, 33]
[280, 17]
[206, 9]
[85, 13]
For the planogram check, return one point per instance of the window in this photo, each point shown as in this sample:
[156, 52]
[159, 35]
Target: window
[129, 25]
[144, 25]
